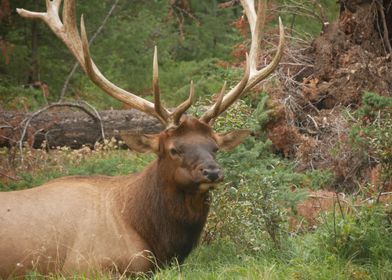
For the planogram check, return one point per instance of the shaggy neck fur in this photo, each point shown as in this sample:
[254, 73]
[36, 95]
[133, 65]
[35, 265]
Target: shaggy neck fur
[168, 218]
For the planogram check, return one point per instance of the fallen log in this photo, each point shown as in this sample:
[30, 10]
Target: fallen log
[71, 128]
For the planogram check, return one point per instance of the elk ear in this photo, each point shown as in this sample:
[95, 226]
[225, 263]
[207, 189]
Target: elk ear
[142, 143]
[229, 140]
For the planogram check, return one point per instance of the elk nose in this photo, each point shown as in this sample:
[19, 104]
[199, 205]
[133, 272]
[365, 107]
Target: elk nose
[212, 174]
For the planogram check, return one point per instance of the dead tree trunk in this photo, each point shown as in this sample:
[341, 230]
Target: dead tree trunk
[72, 128]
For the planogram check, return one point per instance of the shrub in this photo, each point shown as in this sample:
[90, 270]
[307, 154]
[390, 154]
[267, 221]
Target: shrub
[250, 208]
[364, 235]
[19, 98]
[371, 134]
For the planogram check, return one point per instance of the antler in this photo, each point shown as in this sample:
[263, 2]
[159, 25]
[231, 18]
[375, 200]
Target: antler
[252, 75]
[67, 31]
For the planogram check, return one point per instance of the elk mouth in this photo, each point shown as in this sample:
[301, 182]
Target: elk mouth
[205, 187]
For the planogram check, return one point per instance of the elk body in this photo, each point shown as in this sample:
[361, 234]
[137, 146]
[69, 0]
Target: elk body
[127, 224]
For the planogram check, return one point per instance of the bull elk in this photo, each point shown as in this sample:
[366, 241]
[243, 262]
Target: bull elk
[126, 224]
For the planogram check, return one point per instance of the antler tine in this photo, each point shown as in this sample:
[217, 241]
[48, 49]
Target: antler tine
[30, 15]
[88, 64]
[55, 5]
[70, 28]
[209, 116]
[218, 104]
[48, 4]
[229, 98]
[69, 19]
[256, 22]
[180, 110]
[261, 74]
[160, 111]
[237, 91]
[50, 16]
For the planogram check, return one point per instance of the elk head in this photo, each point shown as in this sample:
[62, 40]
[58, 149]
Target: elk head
[188, 145]
[186, 153]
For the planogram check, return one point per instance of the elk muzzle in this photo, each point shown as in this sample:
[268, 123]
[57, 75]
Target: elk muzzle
[211, 172]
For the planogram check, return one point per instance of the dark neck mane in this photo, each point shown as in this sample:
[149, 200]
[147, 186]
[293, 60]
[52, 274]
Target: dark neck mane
[167, 218]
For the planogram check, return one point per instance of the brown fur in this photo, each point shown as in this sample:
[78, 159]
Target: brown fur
[125, 224]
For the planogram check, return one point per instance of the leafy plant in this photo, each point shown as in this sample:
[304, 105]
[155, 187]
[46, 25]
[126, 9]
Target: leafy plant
[19, 98]
[251, 207]
[372, 133]
[364, 235]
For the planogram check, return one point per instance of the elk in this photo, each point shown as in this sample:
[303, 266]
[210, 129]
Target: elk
[127, 224]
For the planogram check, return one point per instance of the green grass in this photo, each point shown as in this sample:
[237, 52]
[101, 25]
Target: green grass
[300, 258]
[40, 167]
[312, 255]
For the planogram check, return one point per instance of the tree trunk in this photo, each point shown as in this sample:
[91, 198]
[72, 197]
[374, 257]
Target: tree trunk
[72, 128]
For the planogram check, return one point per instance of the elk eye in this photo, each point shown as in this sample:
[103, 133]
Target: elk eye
[174, 152]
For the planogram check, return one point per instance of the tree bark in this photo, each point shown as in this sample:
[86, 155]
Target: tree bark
[72, 128]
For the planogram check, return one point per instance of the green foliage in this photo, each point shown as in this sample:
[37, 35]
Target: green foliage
[372, 102]
[259, 186]
[305, 16]
[372, 131]
[19, 98]
[362, 236]
[318, 179]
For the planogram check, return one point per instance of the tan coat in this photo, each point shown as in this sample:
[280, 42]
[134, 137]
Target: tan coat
[69, 224]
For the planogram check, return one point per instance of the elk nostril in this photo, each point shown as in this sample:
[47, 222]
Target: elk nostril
[212, 174]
